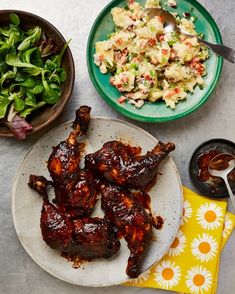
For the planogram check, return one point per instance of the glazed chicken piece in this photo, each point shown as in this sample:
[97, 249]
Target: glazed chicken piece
[94, 238]
[77, 197]
[131, 220]
[123, 164]
[56, 227]
[63, 163]
[74, 188]
[88, 238]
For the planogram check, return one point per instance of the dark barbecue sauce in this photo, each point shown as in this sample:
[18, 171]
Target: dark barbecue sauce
[158, 222]
[221, 162]
[77, 261]
[203, 164]
[144, 198]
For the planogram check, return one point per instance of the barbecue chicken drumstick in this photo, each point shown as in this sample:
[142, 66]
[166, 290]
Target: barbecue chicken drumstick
[74, 188]
[63, 163]
[131, 220]
[123, 164]
[88, 238]
[56, 227]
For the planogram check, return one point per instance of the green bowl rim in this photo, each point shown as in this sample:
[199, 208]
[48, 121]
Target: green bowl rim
[148, 119]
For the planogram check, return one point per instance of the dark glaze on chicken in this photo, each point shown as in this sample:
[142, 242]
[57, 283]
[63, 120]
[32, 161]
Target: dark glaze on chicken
[111, 171]
[130, 219]
[123, 164]
[88, 237]
[74, 188]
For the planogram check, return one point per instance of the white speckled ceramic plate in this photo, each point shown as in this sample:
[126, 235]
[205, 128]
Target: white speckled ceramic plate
[166, 200]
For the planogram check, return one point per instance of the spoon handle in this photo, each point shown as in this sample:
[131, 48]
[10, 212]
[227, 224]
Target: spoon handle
[230, 192]
[221, 50]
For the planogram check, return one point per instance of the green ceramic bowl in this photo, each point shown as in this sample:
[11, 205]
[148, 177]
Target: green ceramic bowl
[156, 112]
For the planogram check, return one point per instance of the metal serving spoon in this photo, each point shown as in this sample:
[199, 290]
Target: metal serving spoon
[170, 25]
[220, 166]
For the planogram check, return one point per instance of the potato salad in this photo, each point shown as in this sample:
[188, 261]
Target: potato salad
[148, 64]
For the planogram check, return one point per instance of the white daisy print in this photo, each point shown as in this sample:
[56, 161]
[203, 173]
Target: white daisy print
[187, 211]
[205, 247]
[141, 278]
[228, 226]
[177, 247]
[210, 216]
[167, 274]
[198, 280]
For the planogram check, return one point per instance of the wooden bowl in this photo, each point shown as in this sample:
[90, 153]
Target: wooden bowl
[45, 116]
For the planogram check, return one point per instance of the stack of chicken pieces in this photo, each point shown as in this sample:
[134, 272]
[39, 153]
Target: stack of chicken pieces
[112, 172]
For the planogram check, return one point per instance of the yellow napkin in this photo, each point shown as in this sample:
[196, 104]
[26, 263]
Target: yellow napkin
[229, 225]
[192, 263]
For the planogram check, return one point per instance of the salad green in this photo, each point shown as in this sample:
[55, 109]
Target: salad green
[31, 74]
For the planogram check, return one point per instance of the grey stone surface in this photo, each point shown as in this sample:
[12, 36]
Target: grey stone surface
[18, 273]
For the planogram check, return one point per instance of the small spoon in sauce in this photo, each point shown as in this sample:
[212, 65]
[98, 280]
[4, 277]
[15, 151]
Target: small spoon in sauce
[220, 166]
